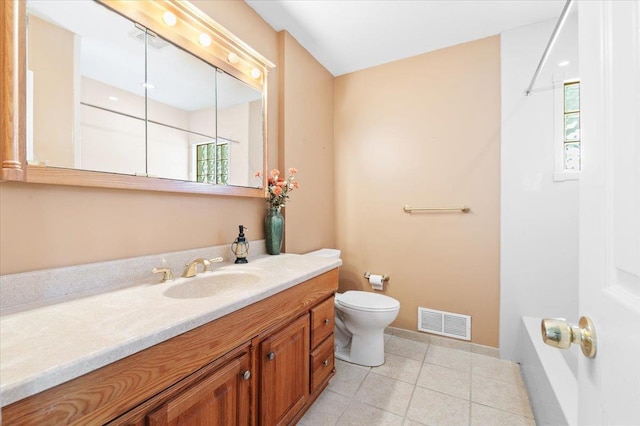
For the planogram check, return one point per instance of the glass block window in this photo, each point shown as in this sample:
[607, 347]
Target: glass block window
[212, 162]
[571, 126]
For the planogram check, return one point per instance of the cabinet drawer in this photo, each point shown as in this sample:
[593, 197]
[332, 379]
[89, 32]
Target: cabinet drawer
[321, 363]
[322, 321]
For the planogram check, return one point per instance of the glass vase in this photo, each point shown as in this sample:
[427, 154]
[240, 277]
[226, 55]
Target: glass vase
[273, 230]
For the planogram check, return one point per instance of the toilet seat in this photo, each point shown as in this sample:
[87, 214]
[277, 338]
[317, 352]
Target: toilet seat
[367, 301]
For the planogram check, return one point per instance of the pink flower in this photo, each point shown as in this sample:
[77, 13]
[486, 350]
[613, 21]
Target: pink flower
[293, 170]
[257, 174]
[275, 173]
[277, 190]
[296, 185]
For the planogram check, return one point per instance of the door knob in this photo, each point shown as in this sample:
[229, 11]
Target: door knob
[560, 334]
[271, 356]
[246, 375]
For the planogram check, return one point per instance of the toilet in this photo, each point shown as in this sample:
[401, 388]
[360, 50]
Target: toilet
[360, 318]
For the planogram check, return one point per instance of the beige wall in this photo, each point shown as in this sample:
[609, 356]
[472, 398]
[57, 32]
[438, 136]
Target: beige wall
[44, 226]
[423, 131]
[306, 143]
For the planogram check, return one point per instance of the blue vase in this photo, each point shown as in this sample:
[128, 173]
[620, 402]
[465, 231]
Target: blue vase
[273, 230]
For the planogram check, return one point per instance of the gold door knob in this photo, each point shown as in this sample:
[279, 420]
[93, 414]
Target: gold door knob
[560, 334]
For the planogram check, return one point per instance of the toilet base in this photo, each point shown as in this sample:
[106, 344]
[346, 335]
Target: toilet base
[367, 351]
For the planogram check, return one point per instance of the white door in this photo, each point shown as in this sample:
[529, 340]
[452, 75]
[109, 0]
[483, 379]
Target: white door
[609, 384]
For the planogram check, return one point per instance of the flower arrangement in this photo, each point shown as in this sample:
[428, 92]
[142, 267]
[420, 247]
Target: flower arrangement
[279, 187]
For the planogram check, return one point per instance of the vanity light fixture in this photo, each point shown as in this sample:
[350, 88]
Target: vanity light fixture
[563, 63]
[255, 73]
[169, 18]
[204, 39]
[233, 58]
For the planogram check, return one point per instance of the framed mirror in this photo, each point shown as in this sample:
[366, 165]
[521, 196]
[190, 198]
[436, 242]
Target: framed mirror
[116, 96]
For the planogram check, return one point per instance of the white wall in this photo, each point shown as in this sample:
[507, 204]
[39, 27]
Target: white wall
[539, 216]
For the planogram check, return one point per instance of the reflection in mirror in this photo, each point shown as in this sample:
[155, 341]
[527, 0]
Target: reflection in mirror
[181, 109]
[239, 129]
[108, 95]
[68, 61]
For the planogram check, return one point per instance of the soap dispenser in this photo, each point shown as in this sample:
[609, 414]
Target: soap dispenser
[240, 247]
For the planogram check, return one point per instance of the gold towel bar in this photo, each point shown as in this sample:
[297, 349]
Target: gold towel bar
[409, 209]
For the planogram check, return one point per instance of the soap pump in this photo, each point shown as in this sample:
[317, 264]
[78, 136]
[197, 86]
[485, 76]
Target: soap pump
[240, 247]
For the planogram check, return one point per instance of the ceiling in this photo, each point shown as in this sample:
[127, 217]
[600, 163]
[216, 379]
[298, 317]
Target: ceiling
[350, 35]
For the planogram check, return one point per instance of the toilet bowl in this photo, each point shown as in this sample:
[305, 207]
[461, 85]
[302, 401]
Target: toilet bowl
[361, 317]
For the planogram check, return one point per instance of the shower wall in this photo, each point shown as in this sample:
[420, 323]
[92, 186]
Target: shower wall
[539, 211]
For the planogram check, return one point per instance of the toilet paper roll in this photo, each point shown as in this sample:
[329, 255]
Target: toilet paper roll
[376, 281]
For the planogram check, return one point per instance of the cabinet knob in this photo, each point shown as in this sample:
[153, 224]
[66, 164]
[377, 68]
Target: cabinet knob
[326, 362]
[246, 375]
[271, 356]
[327, 321]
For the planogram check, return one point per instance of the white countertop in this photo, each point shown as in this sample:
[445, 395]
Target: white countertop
[44, 347]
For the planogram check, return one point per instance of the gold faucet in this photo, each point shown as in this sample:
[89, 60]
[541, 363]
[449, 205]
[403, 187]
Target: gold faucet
[192, 267]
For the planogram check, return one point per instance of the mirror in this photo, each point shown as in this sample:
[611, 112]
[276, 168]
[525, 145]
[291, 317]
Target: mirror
[106, 94]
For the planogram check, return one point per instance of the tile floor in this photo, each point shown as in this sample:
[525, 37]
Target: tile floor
[425, 384]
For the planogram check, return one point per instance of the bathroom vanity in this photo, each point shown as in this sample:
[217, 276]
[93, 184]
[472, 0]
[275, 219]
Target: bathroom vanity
[263, 362]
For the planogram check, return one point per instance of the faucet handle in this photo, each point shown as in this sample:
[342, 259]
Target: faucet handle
[208, 262]
[167, 274]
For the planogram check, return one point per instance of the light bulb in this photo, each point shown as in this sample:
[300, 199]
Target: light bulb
[233, 58]
[255, 73]
[204, 40]
[169, 18]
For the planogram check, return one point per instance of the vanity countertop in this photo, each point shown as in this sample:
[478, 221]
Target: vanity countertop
[49, 345]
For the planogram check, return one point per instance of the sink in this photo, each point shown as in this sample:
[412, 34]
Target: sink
[212, 284]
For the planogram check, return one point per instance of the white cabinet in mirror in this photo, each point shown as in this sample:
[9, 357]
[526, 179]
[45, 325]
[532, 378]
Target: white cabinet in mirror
[106, 94]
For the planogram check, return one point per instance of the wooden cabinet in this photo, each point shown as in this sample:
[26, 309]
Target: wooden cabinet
[218, 395]
[284, 373]
[322, 321]
[264, 364]
[321, 360]
[221, 399]
[322, 364]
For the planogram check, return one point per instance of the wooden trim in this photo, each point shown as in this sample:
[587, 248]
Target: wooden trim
[12, 93]
[74, 177]
[106, 393]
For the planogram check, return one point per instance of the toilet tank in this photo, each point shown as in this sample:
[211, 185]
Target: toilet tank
[325, 252]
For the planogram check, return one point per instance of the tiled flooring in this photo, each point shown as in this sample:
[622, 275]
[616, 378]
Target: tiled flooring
[424, 384]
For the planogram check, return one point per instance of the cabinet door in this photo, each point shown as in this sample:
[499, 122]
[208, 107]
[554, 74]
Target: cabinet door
[284, 362]
[222, 398]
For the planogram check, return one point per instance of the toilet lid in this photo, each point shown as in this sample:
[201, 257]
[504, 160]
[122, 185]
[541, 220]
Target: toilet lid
[367, 301]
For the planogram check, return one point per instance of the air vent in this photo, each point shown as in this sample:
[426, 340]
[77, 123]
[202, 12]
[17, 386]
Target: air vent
[444, 323]
[153, 40]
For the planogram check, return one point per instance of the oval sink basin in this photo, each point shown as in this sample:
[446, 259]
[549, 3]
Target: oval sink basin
[212, 284]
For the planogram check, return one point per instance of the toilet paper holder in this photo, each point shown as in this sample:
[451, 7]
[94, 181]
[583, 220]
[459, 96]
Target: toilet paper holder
[384, 277]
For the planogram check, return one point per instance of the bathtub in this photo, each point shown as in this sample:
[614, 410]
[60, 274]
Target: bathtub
[550, 375]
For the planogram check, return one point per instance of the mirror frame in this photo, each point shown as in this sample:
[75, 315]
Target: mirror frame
[191, 23]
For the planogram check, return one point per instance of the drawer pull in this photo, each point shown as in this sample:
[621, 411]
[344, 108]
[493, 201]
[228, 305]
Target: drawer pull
[271, 356]
[327, 320]
[246, 375]
[326, 362]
